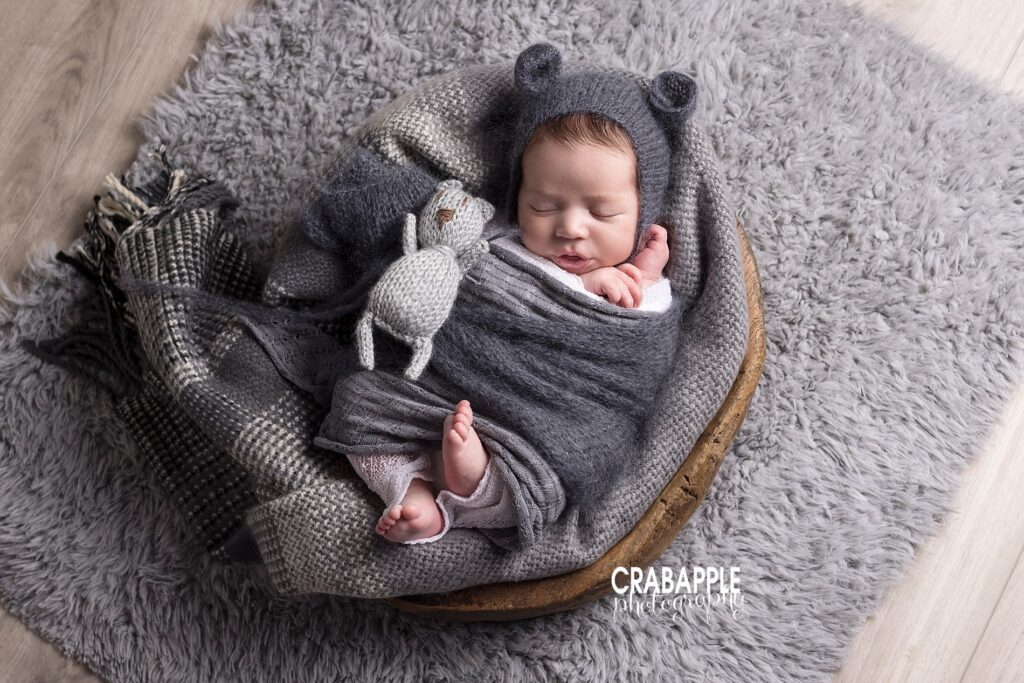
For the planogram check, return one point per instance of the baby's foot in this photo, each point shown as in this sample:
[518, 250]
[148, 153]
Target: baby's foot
[464, 456]
[417, 516]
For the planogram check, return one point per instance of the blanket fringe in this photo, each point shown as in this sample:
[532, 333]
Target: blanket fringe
[103, 346]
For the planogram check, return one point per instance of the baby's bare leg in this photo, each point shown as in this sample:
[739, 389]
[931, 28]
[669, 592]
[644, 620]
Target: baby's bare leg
[417, 516]
[464, 456]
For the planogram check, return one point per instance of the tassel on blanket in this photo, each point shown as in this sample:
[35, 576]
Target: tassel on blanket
[103, 345]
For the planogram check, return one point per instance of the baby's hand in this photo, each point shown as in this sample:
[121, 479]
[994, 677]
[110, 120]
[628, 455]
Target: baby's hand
[618, 287]
[646, 266]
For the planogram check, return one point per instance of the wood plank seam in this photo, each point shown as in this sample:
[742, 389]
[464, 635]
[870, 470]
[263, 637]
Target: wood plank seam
[995, 608]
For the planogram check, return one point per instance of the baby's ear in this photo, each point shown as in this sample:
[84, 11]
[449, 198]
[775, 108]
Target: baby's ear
[673, 98]
[537, 68]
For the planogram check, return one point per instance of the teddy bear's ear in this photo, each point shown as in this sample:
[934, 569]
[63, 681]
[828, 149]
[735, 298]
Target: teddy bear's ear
[537, 68]
[486, 208]
[450, 184]
[673, 98]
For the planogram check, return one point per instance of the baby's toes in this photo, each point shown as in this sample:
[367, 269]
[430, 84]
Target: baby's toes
[463, 412]
[383, 524]
[454, 438]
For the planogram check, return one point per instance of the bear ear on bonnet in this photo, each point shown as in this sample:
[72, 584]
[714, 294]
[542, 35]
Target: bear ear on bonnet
[672, 96]
[538, 67]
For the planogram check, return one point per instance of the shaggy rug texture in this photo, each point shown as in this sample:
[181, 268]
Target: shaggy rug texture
[882, 192]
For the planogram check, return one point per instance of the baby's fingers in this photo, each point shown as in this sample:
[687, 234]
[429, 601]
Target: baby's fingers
[658, 233]
[635, 293]
[632, 271]
[618, 293]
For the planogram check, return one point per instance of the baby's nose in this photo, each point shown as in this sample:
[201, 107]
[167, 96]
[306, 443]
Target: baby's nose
[572, 227]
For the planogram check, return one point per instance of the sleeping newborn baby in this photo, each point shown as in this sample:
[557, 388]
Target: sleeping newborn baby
[583, 196]
[578, 207]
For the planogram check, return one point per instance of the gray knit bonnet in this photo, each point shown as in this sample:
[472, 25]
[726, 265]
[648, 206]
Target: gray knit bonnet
[649, 119]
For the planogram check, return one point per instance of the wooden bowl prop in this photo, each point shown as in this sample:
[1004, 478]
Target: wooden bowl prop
[652, 534]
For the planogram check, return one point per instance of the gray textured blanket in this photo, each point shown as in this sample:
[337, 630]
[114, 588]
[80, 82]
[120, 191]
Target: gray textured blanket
[234, 440]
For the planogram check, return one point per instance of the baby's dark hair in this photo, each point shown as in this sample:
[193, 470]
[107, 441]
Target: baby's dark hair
[586, 128]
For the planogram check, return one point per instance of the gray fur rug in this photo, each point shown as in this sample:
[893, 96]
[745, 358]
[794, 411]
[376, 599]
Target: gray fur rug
[882, 192]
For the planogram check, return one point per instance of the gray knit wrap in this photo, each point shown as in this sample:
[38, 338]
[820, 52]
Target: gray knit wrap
[545, 93]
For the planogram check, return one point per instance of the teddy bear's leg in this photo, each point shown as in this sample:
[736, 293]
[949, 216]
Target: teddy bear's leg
[364, 339]
[423, 347]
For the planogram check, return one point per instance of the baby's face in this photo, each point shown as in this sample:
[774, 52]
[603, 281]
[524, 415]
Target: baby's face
[578, 199]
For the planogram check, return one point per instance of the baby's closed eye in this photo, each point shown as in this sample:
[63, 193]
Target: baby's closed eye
[599, 214]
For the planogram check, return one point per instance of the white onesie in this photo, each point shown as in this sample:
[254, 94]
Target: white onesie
[490, 505]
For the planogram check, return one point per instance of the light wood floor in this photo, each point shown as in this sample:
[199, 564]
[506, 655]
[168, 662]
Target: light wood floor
[76, 75]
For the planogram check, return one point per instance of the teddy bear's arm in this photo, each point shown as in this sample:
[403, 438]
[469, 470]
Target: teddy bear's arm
[468, 257]
[409, 234]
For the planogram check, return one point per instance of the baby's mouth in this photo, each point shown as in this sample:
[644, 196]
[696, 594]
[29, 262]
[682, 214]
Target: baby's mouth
[572, 263]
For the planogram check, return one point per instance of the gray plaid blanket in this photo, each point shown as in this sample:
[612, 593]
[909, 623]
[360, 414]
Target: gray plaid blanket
[233, 440]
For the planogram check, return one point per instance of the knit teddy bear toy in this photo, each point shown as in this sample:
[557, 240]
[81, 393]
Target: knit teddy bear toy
[415, 295]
